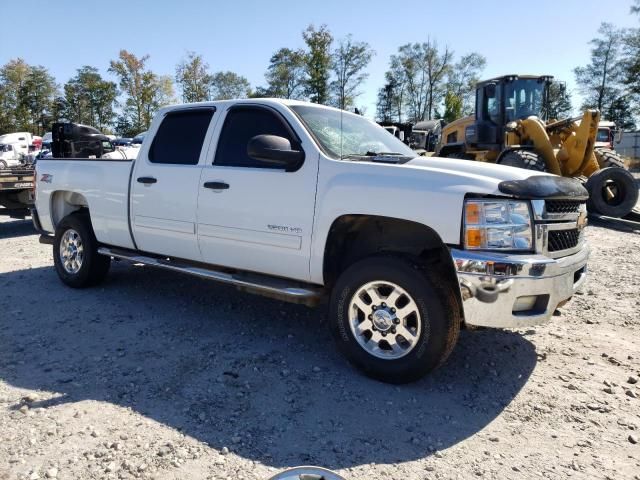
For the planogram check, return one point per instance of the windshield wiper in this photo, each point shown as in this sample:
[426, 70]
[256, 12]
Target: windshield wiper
[373, 154]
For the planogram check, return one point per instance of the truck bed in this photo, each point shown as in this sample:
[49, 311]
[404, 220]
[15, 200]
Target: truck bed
[102, 185]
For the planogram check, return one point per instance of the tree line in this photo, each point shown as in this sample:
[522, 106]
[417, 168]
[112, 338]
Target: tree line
[424, 80]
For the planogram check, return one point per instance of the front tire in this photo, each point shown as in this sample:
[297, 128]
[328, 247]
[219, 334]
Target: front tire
[3, 164]
[391, 321]
[75, 253]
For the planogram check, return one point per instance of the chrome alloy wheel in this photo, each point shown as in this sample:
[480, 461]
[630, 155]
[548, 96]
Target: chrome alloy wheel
[71, 251]
[385, 320]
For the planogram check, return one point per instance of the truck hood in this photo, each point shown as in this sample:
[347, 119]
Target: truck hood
[494, 179]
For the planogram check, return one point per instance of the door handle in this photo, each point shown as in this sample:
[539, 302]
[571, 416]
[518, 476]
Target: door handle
[216, 185]
[147, 180]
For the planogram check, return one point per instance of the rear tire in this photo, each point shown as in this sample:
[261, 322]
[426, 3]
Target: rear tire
[407, 327]
[526, 159]
[612, 192]
[608, 158]
[75, 252]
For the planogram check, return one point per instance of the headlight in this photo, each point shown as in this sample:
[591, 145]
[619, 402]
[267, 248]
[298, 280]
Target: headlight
[494, 224]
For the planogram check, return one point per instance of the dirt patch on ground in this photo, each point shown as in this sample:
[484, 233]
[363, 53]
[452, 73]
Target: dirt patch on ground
[158, 375]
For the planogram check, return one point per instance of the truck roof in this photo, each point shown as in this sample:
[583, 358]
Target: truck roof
[516, 76]
[249, 101]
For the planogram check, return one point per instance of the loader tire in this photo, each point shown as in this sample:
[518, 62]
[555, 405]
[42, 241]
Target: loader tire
[612, 192]
[608, 158]
[523, 159]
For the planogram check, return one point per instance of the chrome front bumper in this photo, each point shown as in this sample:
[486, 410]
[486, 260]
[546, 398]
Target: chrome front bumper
[492, 283]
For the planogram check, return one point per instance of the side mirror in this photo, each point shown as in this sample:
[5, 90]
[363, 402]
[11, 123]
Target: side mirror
[275, 151]
[490, 90]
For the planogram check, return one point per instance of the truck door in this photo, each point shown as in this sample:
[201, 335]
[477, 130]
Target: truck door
[164, 185]
[252, 215]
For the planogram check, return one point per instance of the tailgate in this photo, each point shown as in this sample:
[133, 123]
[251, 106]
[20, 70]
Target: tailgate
[16, 179]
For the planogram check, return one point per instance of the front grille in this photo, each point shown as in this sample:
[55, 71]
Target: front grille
[563, 240]
[563, 206]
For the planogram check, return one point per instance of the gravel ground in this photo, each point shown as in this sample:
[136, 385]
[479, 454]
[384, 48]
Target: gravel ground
[164, 376]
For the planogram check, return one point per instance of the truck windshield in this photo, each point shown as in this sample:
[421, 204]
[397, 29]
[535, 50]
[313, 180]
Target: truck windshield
[603, 135]
[524, 98]
[343, 134]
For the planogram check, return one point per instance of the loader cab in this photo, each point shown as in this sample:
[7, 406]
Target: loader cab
[502, 100]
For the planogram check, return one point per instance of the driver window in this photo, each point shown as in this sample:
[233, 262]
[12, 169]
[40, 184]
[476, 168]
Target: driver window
[493, 107]
[240, 126]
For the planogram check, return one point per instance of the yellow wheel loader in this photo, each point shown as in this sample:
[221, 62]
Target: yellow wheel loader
[510, 127]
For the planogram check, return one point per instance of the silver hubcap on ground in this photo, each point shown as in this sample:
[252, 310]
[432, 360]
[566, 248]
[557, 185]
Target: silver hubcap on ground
[71, 251]
[384, 319]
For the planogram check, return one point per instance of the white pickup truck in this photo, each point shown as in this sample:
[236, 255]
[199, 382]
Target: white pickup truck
[303, 203]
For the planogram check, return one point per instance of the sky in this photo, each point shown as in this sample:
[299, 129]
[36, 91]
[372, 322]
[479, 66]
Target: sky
[542, 37]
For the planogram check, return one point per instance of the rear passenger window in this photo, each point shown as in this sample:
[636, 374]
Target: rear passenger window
[180, 137]
[240, 126]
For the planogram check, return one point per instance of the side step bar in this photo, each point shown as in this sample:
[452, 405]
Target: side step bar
[273, 287]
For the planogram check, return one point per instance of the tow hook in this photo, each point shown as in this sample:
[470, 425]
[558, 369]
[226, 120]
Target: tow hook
[487, 291]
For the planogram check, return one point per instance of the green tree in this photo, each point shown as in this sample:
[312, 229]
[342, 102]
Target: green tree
[13, 113]
[158, 93]
[348, 64]
[318, 63]
[559, 101]
[620, 112]
[600, 81]
[228, 85]
[285, 74]
[90, 99]
[193, 77]
[386, 103]
[26, 96]
[36, 98]
[452, 106]
[125, 127]
[631, 62]
[462, 79]
[424, 69]
[135, 81]
[144, 91]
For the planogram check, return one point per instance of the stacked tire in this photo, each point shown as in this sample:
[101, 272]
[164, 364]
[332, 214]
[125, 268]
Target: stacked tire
[612, 189]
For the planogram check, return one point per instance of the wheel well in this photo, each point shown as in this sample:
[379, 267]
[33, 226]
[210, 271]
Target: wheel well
[64, 203]
[354, 237]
